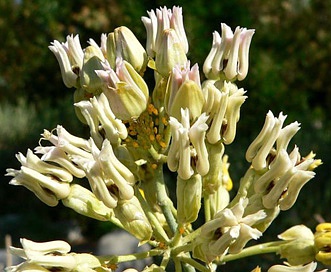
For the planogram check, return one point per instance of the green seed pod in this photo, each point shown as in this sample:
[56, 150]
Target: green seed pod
[133, 218]
[188, 199]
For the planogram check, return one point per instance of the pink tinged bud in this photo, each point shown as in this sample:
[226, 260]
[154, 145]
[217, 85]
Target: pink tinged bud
[89, 80]
[170, 53]
[177, 23]
[184, 91]
[159, 21]
[126, 90]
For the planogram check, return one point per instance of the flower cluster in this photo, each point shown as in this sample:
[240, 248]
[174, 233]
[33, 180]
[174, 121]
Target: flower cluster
[184, 123]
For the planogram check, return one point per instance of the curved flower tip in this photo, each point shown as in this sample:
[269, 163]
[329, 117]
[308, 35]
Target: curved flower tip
[53, 256]
[188, 143]
[70, 58]
[50, 183]
[228, 57]
[161, 20]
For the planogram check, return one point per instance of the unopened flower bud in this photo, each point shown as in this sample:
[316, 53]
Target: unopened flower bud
[299, 248]
[122, 43]
[125, 89]
[85, 202]
[213, 179]
[133, 218]
[184, 91]
[170, 53]
[89, 80]
[188, 194]
[160, 21]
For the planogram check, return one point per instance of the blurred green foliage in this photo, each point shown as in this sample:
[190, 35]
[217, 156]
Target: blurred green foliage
[290, 69]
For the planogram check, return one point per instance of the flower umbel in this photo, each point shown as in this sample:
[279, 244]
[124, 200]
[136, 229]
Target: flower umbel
[185, 122]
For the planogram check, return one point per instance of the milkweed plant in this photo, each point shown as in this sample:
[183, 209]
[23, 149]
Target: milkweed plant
[183, 124]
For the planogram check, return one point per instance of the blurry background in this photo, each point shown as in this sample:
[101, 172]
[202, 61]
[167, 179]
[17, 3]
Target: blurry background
[290, 71]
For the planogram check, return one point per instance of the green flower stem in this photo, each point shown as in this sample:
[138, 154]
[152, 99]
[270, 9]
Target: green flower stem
[130, 257]
[193, 263]
[165, 260]
[160, 158]
[191, 236]
[206, 200]
[270, 247]
[159, 232]
[178, 265]
[183, 248]
[176, 239]
[163, 200]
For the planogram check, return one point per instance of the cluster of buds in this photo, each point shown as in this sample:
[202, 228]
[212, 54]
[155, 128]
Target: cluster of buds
[185, 124]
